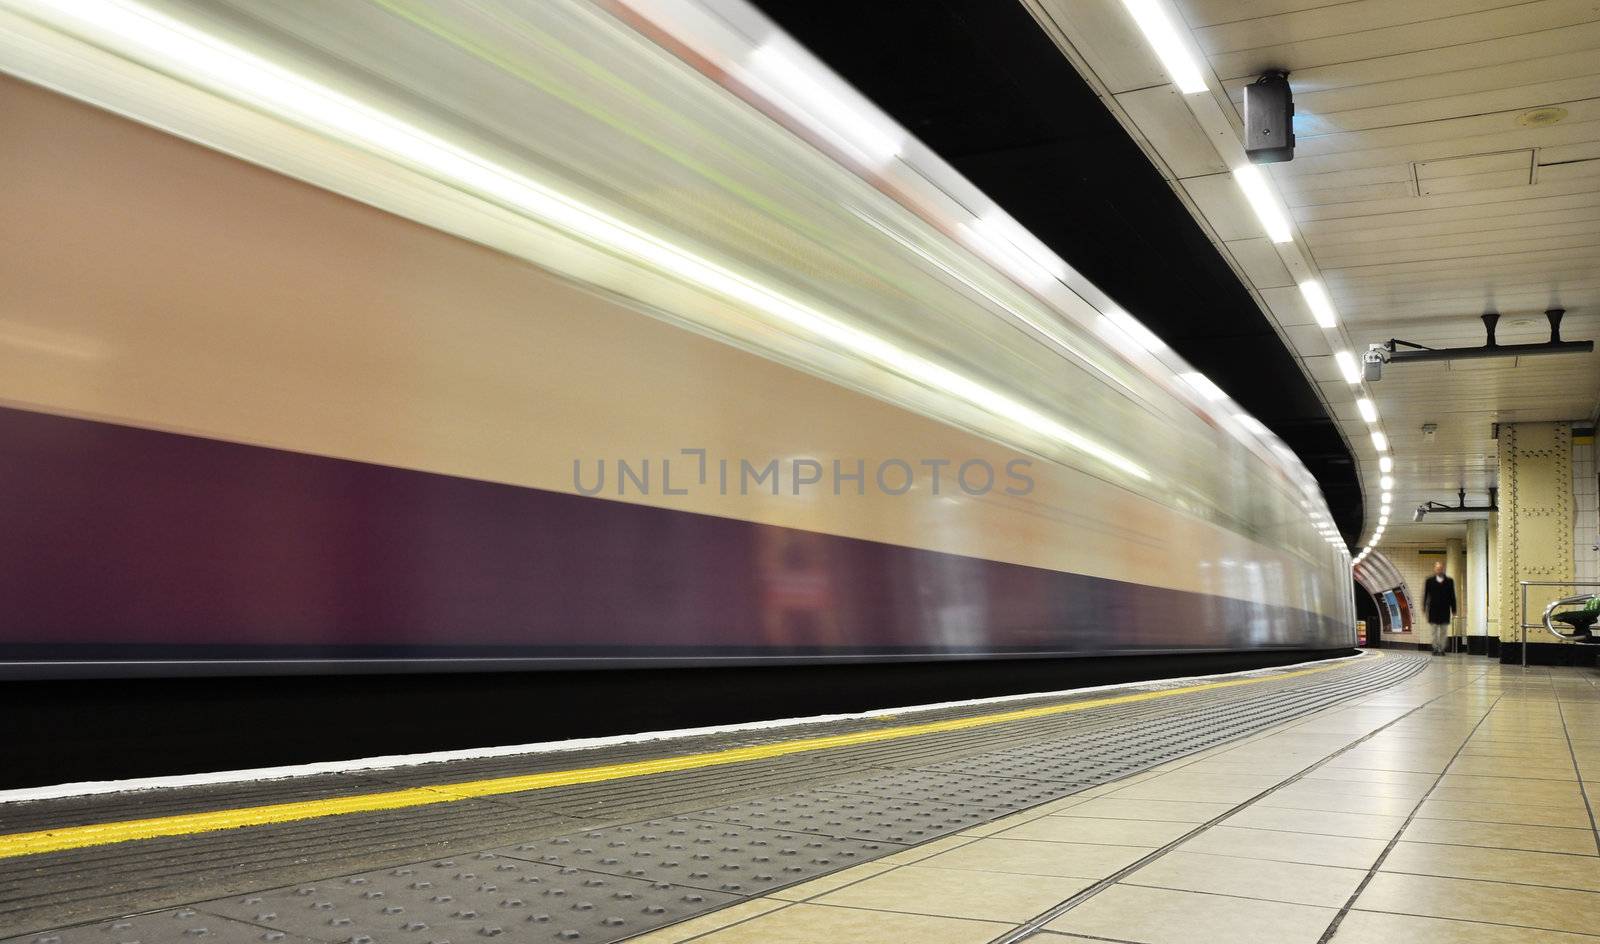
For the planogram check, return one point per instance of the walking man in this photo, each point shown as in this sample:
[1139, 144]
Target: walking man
[1439, 602]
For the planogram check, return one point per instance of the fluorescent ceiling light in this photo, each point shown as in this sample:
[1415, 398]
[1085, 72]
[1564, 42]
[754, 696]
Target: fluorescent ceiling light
[1380, 442]
[1368, 411]
[145, 35]
[829, 111]
[1386, 464]
[1384, 508]
[1317, 300]
[1388, 497]
[1163, 37]
[1386, 483]
[1383, 520]
[1203, 384]
[1255, 188]
[1348, 367]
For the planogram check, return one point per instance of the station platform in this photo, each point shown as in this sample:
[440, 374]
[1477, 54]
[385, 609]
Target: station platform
[1376, 798]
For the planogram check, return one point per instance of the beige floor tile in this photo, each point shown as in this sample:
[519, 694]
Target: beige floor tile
[1359, 825]
[1503, 836]
[1370, 927]
[1533, 868]
[923, 851]
[832, 882]
[1034, 857]
[1292, 797]
[820, 924]
[1526, 813]
[1403, 791]
[1291, 882]
[1415, 762]
[951, 893]
[706, 923]
[1061, 805]
[1251, 768]
[1552, 909]
[1164, 916]
[1359, 775]
[1164, 790]
[1164, 811]
[1000, 825]
[1504, 789]
[1469, 765]
[1519, 786]
[1514, 749]
[1342, 851]
[1111, 832]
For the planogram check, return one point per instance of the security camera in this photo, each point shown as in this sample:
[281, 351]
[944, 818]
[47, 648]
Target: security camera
[1372, 363]
[1420, 513]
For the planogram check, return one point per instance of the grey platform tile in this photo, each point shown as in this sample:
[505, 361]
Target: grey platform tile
[83, 884]
[1033, 767]
[683, 791]
[470, 897]
[177, 926]
[940, 786]
[855, 817]
[739, 860]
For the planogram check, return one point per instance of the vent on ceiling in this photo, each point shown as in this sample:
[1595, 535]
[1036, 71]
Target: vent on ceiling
[1474, 172]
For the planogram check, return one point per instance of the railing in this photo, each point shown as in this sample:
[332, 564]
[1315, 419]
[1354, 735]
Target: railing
[1522, 616]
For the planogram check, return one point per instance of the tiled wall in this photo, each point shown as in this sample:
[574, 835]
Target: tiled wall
[1586, 521]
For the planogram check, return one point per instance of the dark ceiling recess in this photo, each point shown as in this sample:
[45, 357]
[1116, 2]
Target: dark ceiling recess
[981, 84]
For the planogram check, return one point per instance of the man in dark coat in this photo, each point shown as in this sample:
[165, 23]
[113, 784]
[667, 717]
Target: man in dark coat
[1439, 602]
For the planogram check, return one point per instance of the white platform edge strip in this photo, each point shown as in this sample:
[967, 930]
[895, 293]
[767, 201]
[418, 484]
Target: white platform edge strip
[260, 774]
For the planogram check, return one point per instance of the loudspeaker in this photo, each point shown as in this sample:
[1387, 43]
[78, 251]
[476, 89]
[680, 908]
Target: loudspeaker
[1269, 119]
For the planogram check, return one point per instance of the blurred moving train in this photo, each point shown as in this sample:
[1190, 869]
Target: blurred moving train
[403, 335]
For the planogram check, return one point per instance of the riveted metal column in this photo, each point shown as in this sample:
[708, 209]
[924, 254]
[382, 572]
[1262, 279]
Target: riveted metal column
[1535, 533]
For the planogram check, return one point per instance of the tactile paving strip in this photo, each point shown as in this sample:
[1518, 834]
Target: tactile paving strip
[178, 924]
[470, 897]
[606, 884]
[855, 817]
[1000, 793]
[722, 857]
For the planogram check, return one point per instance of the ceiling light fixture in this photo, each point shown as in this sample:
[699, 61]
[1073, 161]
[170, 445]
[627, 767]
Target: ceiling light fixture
[1163, 37]
[1386, 483]
[1368, 411]
[1317, 300]
[1348, 367]
[1380, 442]
[1255, 188]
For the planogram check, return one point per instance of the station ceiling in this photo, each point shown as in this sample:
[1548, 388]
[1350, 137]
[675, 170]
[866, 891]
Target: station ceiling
[986, 87]
[1448, 165]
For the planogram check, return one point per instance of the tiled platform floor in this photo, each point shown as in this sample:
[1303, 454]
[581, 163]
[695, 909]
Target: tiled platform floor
[1455, 807]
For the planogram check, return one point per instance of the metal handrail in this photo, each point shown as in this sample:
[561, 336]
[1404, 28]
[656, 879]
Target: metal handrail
[1523, 613]
[1564, 601]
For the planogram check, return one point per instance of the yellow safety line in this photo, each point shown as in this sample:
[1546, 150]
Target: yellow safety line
[185, 824]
